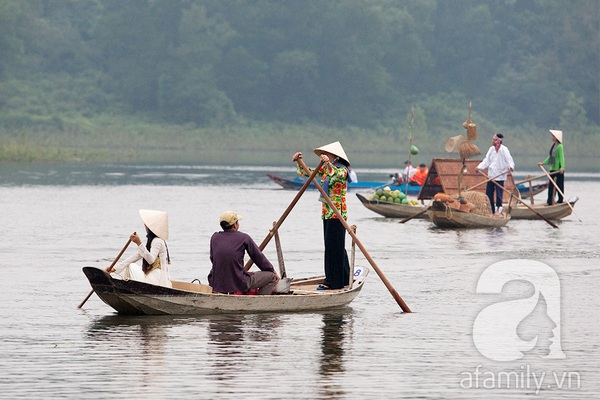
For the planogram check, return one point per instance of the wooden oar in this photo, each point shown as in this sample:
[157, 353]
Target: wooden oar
[525, 204]
[387, 283]
[486, 181]
[559, 191]
[414, 216]
[534, 178]
[107, 270]
[276, 226]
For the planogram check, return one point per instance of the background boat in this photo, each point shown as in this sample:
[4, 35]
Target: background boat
[296, 183]
[391, 210]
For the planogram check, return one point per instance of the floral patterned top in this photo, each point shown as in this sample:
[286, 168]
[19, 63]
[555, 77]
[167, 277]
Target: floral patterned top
[334, 180]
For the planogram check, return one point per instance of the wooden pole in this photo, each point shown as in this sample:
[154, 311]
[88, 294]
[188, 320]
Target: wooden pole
[352, 259]
[385, 281]
[107, 270]
[282, 272]
[534, 178]
[559, 191]
[414, 216]
[285, 213]
[486, 181]
[552, 224]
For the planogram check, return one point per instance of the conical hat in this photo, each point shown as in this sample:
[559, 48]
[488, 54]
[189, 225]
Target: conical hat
[157, 222]
[557, 135]
[334, 148]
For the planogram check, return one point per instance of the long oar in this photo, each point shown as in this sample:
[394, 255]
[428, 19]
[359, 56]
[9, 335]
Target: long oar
[414, 216]
[107, 270]
[276, 226]
[559, 191]
[534, 178]
[552, 224]
[486, 181]
[387, 283]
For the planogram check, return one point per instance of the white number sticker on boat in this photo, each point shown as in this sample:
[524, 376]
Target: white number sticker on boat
[358, 272]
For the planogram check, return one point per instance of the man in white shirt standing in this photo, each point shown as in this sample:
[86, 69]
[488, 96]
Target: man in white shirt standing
[498, 162]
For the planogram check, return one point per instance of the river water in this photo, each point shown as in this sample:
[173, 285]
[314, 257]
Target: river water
[57, 219]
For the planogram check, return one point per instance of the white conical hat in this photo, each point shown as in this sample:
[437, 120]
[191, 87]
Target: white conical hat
[557, 135]
[334, 148]
[157, 222]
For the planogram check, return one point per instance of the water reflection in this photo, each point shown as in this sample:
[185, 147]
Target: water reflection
[336, 327]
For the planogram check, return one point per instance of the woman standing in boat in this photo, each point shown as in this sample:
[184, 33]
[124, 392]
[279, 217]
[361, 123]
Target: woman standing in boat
[556, 161]
[154, 255]
[334, 179]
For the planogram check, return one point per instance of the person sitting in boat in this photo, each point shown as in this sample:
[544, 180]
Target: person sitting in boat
[419, 177]
[227, 249]
[154, 255]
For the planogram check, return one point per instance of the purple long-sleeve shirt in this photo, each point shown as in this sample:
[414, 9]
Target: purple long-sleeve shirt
[227, 249]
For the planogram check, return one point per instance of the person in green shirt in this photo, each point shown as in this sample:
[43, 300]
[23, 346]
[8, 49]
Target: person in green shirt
[556, 162]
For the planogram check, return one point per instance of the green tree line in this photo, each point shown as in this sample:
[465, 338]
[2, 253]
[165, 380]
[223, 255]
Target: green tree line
[531, 64]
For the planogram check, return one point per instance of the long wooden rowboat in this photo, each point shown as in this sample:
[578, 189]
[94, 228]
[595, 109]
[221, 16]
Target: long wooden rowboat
[135, 298]
[447, 217]
[553, 212]
[296, 183]
[391, 210]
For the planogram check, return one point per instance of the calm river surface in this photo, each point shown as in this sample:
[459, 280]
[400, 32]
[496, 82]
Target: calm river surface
[57, 219]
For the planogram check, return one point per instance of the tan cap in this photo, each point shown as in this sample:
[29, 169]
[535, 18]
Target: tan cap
[557, 135]
[334, 148]
[157, 222]
[231, 217]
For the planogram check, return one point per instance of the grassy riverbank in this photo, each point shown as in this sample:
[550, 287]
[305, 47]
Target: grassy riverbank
[112, 139]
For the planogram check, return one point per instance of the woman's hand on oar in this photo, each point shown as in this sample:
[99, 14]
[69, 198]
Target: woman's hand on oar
[108, 269]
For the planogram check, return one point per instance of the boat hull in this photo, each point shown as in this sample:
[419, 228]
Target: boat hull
[138, 298]
[553, 212]
[448, 217]
[296, 183]
[391, 210]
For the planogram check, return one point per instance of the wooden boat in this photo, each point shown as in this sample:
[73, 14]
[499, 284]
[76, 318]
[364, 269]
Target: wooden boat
[527, 192]
[391, 210]
[139, 298]
[447, 217]
[553, 212]
[296, 184]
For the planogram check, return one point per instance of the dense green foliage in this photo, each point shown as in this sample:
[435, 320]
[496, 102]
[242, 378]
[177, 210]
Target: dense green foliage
[71, 71]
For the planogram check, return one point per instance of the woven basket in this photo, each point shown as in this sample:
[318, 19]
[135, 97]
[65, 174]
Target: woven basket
[468, 149]
[480, 203]
[472, 131]
[452, 145]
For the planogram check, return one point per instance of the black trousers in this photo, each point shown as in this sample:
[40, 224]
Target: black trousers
[490, 188]
[337, 267]
[560, 182]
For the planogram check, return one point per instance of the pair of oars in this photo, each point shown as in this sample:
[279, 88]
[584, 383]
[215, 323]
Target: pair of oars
[552, 224]
[107, 270]
[276, 226]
